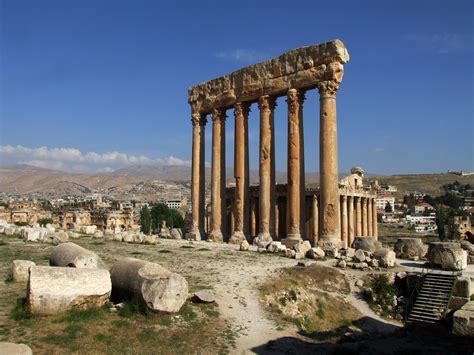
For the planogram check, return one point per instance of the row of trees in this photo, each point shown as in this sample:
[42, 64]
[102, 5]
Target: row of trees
[151, 218]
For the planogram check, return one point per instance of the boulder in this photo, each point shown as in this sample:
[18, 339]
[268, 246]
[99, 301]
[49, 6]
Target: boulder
[469, 248]
[366, 243]
[204, 296]
[148, 283]
[385, 257]
[331, 252]
[73, 255]
[20, 269]
[350, 252]
[290, 253]
[117, 237]
[54, 290]
[90, 230]
[244, 246]
[447, 256]
[359, 256]
[138, 238]
[9, 230]
[302, 247]
[462, 287]
[299, 255]
[127, 237]
[342, 263]
[31, 235]
[98, 234]
[463, 320]
[315, 253]
[274, 247]
[410, 248]
[73, 235]
[176, 233]
[60, 237]
[14, 349]
[150, 239]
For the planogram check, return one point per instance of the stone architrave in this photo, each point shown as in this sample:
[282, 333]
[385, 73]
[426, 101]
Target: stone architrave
[241, 112]
[199, 122]
[295, 194]
[358, 216]
[266, 105]
[350, 227]
[218, 122]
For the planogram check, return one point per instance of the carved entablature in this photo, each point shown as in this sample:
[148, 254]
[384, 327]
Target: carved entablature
[303, 68]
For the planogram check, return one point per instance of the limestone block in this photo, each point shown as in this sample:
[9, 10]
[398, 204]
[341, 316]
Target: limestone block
[302, 247]
[385, 257]
[410, 248]
[2, 229]
[290, 253]
[9, 230]
[98, 234]
[462, 287]
[148, 283]
[331, 252]
[60, 237]
[50, 227]
[350, 252]
[463, 320]
[176, 233]
[20, 269]
[244, 246]
[366, 243]
[14, 349]
[73, 255]
[274, 247]
[138, 238]
[457, 302]
[3, 223]
[73, 235]
[359, 256]
[204, 296]
[31, 235]
[127, 237]
[315, 253]
[447, 256]
[118, 237]
[299, 255]
[90, 230]
[150, 239]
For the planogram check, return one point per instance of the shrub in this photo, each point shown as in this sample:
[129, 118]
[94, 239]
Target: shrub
[45, 221]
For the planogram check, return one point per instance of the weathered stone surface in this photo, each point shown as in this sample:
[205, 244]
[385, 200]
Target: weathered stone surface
[73, 255]
[463, 320]
[385, 257]
[176, 233]
[315, 253]
[359, 256]
[300, 68]
[20, 269]
[366, 243]
[462, 287]
[149, 283]
[138, 238]
[410, 248]
[299, 255]
[447, 256]
[73, 235]
[89, 230]
[469, 248]
[274, 247]
[127, 237]
[53, 290]
[9, 230]
[150, 239]
[14, 349]
[204, 296]
[290, 253]
[331, 252]
[244, 246]
[302, 247]
[350, 252]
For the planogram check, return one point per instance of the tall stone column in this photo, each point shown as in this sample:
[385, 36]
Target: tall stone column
[375, 219]
[253, 217]
[370, 223]
[328, 165]
[266, 105]
[198, 120]
[241, 112]
[315, 231]
[358, 216]
[364, 216]
[218, 119]
[295, 194]
[344, 229]
[351, 230]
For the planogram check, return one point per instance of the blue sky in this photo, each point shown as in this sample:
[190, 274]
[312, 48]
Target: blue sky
[98, 85]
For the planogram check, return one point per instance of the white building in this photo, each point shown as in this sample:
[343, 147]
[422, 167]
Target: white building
[381, 202]
[174, 204]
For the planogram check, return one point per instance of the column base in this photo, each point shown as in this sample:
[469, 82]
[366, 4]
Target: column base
[237, 238]
[330, 242]
[193, 235]
[262, 240]
[291, 240]
[215, 236]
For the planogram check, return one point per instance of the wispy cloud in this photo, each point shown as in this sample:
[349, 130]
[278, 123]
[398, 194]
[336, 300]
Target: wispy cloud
[72, 159]
[241, 55]
[444, 43]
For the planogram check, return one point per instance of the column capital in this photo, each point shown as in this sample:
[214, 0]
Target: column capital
[241, 109]
[266, 103]
[218, 115]
[328, 88]
[295, 98]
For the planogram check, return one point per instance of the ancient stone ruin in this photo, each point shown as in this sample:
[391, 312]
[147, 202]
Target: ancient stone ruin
[330, 216]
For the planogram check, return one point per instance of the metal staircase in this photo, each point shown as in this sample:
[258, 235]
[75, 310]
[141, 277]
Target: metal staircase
[431, 302]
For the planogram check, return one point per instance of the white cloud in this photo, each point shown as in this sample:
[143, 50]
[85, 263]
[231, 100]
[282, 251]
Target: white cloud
[73, 159]
[241, 55]
[440, 43]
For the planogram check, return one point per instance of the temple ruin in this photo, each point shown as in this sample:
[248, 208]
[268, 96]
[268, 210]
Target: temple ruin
[330, 216]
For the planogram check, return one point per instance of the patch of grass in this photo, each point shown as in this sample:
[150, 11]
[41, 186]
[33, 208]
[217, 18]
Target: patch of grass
[321, 311]
[164, 251]
[120, 323]
[132, 308]
[103, 338]
[292, 295]
[79, 315]
[9, 279]
[472, 297]
[98, 243]
[3, 242]
[383, 296]
[187, 313]
[203, 249]
[165, 321]
[211, 313]
[21, 310]
[187, 247]
[147, 335]
[137, 253]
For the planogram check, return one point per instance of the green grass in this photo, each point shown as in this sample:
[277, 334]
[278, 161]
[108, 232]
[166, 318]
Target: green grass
[21, 310]
[187, 313]
[132, 308]
[164, 251]
[3, 242]
[77, 315]
[187, 247]
[203, 249]
[98, 243]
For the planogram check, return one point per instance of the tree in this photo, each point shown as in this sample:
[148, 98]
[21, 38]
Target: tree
[159, 213]
[388, 207]
[176, 220]
[145, 220]
[45, 221]
[441, 219]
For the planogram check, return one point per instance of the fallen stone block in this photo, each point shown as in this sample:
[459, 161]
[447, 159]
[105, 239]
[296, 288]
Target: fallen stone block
[359, 256]
[447, 256]
[385, 257]
[176, 233]
[21, 269]
[462, 287]
[315, 253]
[244, 246]
[366, 243]
[204, 296]
[410, 248]
[274, 247]
[54, 290]
[331, 252]
[73, 255]
[150, 239]
[148, 283]
[463, 320]
[14, 349]
[302, 247]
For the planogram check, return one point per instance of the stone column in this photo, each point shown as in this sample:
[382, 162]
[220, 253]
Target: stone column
[358, 216]
[241, 112]
[315, 231]
[328, 165]
[295, 193]
[266, 105]
[351, 230]
[364, 216]
[375, 219]
[218, 118]
[253, 217]
[344, 231]
[198, 120]
[370, 223]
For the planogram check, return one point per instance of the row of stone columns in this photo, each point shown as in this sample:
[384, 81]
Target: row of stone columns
[358, 218]
[329, 205]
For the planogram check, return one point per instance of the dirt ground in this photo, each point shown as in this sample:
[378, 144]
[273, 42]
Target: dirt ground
[240, 322]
